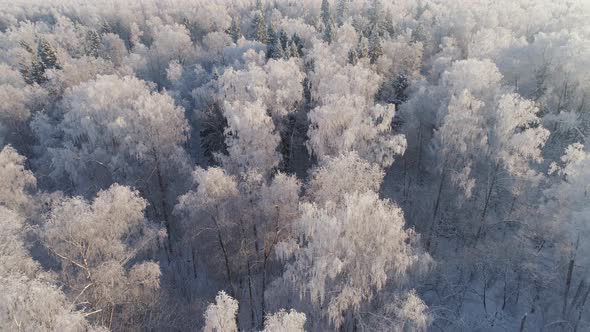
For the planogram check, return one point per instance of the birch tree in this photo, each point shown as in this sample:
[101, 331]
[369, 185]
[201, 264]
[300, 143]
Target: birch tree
[134, 137]
[100, 245]
[221, 315]
[342, 256]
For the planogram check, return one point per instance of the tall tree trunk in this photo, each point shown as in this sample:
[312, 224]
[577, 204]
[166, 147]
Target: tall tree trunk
[522, 323]
[487, 200]
[225, 254]
[267, 253]
[164, 204]
[512, 205]
[505, 286]
[260, 253]
[227, 267]
[250, 295]
[485, 288]
[291, 146]
[581, 309]
[419, 148]
[194, 262]
[579, 291]
[517, 288]
[436, 206]
[263, 300]
[163, 190]
[568, 283]
[249, 271]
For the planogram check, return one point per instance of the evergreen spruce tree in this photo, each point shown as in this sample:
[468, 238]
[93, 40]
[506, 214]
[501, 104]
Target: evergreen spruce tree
[388, 23]
[375, 49]
[274, 49]
[27, 68]
[363, 47]
[307, 93]
[293, 52]
[105, 27]
[27, 47]
[353, 56]
[400, 85]
[38, 71]
[328, 21]
[376, 20]
[394, 91]
[297, 41]
[215, 74]
[329, 32]
[279, 52]
[418, 34]
[341, 11]
[234, 30]
[92, 44]
[43, 58]
[284, 39]
[47, 55]
[326, 12]
[259, 28]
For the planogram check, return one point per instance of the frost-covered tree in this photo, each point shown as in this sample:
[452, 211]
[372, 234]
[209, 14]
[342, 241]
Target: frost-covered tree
[212, 204]
[257, 101]
[29, 299]
[344, 254]
[339, 127]
[221, 315]
[258, 27]
[39, 59]
[402, 312]
[347, 119]
[99, 245]
[16, 203]
[19, 101]
[93, 43]
[567, 217]
[246, 218]
[328, 187]
[47, 55]
[291, 114]
[395, 90]
[250, 137]
[274, 47]
[278, 85]
[285, 81]
[342, 11]
[375, 48]
[17, 182]
[328, 21]
[34, 305]
[345, 212]
[14, 255]
[376, 15]
[234, 30]
[480, 77]
[353, 56]
[134, 137]
[291, 321]
[507, 137]
[113, 49]
[170, 42]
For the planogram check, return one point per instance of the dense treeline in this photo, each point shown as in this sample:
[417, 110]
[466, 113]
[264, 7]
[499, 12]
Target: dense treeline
[353, 165]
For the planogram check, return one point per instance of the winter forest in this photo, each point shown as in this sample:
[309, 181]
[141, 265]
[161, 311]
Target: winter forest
[294, 165]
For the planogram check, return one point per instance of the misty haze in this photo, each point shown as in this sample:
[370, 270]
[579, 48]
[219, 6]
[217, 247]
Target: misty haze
[294, 165]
